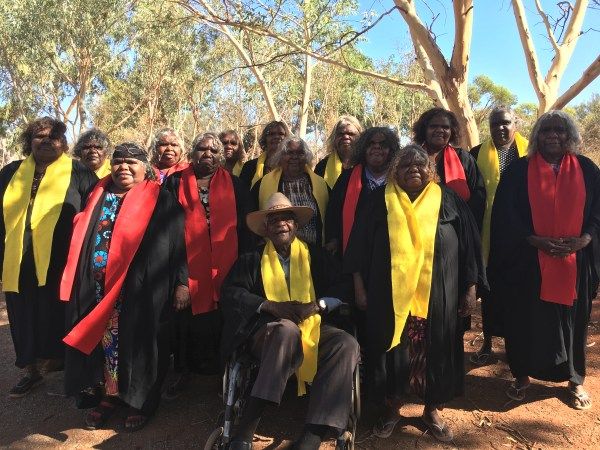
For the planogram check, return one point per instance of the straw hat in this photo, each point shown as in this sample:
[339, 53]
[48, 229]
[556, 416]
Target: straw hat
[277, 203]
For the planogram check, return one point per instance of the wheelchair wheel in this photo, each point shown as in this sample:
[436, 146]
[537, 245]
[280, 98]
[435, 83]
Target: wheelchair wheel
[214, 440]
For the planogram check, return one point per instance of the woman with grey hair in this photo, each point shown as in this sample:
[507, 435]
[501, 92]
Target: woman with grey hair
[545, 258]
[168, 153]
[293, 176]
[93, 150]
[339, 149]
[417, 249]
[215, 205]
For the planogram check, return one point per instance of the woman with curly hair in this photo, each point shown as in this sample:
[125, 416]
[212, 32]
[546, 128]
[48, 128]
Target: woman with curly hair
[438, 132]
[373, 152]
[41, 195]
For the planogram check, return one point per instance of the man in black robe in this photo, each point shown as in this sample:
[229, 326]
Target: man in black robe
[270, 328]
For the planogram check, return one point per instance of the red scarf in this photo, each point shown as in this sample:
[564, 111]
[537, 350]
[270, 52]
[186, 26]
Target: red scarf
[170, 171]
[557, 203]
[455, 174]
[209, 255]
[350, 202]
[130, 227]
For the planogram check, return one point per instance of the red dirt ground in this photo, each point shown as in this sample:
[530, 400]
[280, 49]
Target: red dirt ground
[484, 418]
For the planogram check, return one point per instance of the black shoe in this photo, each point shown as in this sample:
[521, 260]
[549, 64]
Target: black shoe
[25, 384]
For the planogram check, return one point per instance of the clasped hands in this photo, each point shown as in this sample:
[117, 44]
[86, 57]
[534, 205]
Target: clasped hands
[560, 247]
[293, 310]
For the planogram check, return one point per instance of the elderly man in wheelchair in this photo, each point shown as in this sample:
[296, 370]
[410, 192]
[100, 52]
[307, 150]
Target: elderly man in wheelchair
[272, 301]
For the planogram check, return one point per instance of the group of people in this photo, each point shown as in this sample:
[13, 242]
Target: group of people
[117, 258]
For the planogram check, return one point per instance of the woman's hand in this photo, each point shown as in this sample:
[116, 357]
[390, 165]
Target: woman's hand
[550, 246]
[560, 247]
[332, 246]
[181, 297]
[574, 243]
[360, 293]
[467, 302]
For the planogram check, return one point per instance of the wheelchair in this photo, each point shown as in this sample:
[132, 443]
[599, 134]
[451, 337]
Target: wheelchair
[238, 379]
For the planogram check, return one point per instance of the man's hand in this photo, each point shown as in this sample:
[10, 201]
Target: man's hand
[181, 298]
[294, 310]
[468, 301]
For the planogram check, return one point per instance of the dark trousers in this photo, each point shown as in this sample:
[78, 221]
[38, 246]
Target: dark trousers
[37, 323]
[278, 346]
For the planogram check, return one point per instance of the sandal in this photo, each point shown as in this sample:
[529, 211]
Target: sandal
[135, 420]
[481, 358]
[385, 426]
[580, 400]
[98, 416]
[442, 432]
[517, 393]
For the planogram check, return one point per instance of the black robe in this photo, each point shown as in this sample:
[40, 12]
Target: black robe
[544, 340]
[254, 206]
[457, 264]
[243, 292]
[475, 182]
[195, 339]
[248, 172]
[321, 165]
[157, 267]
[335, 206]
[36, 315]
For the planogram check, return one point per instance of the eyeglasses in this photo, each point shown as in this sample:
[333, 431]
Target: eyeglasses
[234, 143]
[92, 147]
[275, 133]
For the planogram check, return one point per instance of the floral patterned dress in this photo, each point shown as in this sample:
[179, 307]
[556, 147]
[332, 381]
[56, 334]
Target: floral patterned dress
[110, 340]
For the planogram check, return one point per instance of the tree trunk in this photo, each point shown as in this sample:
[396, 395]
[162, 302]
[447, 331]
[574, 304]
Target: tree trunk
[308, 71]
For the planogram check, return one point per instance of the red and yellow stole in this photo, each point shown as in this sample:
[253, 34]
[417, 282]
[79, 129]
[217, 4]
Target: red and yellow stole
[209, 255]
[557, 203]
[350, 203]
[455, 174]
[130, 227]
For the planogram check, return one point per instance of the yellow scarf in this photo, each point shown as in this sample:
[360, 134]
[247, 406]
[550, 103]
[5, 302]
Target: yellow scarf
[301, 289]
[488, 163]
[237, 169]
[270, 184]
[260, 168]
[44, 216]
[104, 169]
[333, 168]
[412, 229]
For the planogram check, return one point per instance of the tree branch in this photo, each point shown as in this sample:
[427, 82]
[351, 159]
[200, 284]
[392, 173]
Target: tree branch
[529, 49]
[463, 31]
[547, 25]
[589, 75]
